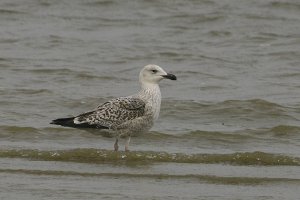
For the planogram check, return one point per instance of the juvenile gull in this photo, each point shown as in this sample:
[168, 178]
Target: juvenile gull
[125, 116]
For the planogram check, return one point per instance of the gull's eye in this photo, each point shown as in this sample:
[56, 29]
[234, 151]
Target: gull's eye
[154, 71]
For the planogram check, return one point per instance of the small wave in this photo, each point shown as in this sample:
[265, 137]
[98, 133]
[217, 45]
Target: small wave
[99, 3]
[285, 5]
[235, 136]
[102, 156]
[23, 132]
[285, 130]
[196, 18]
[256, 103]
[30, 91]
[8, 130]
[214, 135]
[7, 41]
[78, 74]
[196, 177]
[252, 109]
[10, 12]
[218, 33]
[287, 75]
[200, 135]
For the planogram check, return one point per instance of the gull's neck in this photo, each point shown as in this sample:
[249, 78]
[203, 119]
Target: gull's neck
[150, 93]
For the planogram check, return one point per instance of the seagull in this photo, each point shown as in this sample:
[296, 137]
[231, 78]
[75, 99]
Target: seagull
[126, 116]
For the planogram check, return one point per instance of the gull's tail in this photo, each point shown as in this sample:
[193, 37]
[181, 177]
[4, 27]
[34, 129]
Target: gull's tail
[69, 122]
[65, 122]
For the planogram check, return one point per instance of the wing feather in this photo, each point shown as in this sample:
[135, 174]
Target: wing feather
[113, 113]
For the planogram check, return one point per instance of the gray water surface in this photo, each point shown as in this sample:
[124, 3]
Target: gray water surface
[228, 128]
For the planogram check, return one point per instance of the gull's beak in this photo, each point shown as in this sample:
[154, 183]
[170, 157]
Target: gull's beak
[170, 76]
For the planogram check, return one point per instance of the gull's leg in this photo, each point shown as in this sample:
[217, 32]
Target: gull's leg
[116, 146]
[127, 143]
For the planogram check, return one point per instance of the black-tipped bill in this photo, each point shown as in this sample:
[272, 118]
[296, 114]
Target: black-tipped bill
[170, 76]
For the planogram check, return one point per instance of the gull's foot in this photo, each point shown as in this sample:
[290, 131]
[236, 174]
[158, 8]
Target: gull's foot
[127, 144]
[116, 146]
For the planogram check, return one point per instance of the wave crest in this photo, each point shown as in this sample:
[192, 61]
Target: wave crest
[101, 156]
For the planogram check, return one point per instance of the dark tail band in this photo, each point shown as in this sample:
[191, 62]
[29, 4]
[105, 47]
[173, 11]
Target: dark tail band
[69, 122]
[64, 121]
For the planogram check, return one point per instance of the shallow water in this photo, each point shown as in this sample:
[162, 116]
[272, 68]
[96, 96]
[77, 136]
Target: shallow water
[228, 128]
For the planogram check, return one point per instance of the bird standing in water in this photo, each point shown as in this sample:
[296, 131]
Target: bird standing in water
[126, 116]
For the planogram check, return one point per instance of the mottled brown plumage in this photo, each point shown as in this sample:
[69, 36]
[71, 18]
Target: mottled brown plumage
[126, 116]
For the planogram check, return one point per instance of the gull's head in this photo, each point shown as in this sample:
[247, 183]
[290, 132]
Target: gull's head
[152, 74]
